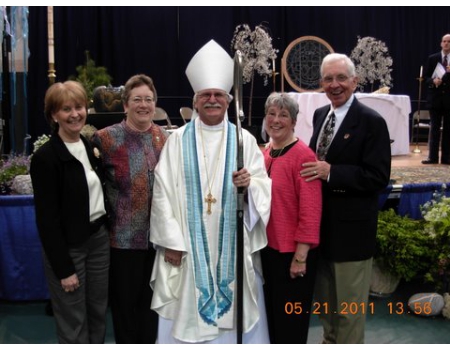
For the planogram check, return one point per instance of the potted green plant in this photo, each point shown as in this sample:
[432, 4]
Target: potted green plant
[403, 250]
[91, 76]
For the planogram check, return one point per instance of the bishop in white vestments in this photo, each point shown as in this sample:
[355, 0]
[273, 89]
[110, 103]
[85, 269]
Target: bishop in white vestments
[193, 217]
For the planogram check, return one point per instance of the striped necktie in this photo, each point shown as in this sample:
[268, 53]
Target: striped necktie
[326, 137]
[445, 62]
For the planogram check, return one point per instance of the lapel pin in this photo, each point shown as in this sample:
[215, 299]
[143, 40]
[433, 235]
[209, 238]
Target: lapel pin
[346, 136]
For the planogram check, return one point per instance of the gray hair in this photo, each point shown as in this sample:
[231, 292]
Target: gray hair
[334, 57]
[282, 100]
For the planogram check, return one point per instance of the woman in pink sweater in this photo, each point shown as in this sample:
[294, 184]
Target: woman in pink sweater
[289, 260]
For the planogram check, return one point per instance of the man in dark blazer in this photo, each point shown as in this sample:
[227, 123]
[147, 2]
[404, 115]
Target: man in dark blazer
[438, 99]
[353, 171]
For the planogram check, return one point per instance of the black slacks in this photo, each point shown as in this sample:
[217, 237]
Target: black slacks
[288, 301]
[439, 117]
[131, 296]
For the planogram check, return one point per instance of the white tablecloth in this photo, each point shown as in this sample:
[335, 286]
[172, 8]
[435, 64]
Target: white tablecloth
[395, 109]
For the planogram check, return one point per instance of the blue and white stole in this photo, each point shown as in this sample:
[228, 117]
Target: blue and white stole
[214, 301]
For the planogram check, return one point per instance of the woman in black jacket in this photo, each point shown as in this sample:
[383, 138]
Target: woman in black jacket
[71, 217]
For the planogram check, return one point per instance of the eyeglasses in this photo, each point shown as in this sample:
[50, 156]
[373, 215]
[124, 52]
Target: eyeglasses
[217, 96]
[138, 100]
[341, 78]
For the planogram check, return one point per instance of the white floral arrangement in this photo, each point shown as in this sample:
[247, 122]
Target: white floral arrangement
[257, 51]
[436, 214]
[373, 62]
[40, 141]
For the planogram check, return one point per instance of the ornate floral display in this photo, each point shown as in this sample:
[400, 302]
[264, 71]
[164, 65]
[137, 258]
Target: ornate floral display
[258, 54]
[373, 62]
[257, 51]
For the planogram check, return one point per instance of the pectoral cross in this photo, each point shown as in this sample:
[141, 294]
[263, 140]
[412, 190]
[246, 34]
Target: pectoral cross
[210, 200]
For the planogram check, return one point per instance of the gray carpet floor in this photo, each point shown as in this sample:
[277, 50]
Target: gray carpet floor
[27, 323]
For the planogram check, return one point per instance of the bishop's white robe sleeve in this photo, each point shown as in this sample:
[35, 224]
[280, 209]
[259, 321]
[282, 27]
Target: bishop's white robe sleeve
[167, 221]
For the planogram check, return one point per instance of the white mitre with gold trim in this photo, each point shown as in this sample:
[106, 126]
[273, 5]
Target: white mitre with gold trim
[210, 68]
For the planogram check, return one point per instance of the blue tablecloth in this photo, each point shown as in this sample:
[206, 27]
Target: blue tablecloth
[21, 265]
[21, 268]
[415, 195]
[412, 196]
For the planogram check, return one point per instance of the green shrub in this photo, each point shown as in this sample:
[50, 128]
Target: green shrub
[403, 248]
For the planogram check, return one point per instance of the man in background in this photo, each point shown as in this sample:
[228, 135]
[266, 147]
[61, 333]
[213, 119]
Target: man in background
[437, 78]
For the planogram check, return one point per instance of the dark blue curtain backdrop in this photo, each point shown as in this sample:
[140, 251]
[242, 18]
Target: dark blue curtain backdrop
[160, 41]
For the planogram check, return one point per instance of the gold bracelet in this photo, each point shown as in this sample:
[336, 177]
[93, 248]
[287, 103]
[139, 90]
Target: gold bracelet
[300, 261]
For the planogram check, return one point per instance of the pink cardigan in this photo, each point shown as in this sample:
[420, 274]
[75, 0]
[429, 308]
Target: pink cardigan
[296, 204]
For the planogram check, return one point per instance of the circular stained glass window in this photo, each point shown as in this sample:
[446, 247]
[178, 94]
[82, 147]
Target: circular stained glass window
[302, 60]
